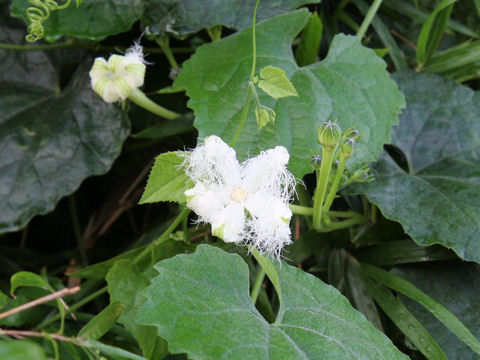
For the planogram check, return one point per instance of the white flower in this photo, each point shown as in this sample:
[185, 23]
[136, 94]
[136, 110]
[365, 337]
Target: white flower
[116, 78]
[243, 202]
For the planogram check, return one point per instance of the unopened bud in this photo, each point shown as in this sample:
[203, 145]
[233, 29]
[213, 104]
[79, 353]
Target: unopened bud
[116, 78]
[329, 134]
[347, 148]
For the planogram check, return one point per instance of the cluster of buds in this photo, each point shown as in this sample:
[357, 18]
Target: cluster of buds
[343, 145]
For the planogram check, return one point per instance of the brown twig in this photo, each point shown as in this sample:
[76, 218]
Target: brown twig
[25, 333]
[39, 301]
[404, 39]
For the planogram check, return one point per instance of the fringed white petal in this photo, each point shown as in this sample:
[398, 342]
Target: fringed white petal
[269, 223]
[213, 162]
[267, 172]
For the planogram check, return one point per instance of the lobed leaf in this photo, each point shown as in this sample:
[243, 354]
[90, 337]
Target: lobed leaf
[200, 304]
[350, 84]
[436, 199]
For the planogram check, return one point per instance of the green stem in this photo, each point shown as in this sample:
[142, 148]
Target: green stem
[164, 44]
[76, 229]
[301, 210]
[346, 214]
[139, 98]
[323, 176]
[368, 18]
[65, 44]
[183, 214]
[342, 224]
[74, 307]
[246, 107]
[305, 200]
[257, 285]
[215, 32]
[335, 184]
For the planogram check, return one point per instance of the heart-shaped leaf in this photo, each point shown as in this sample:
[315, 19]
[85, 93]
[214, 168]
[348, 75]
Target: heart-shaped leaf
[52, 140]
[350, 84]
[437, 198]
[200, 304]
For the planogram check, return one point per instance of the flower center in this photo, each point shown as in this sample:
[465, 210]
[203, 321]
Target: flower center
[239, 194]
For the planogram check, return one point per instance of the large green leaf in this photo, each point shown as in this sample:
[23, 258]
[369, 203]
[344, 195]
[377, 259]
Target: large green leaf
[200, 304]
[93, 19]
[350, 84]
[53, 139]
[188, 16]
[442, 282]
[124, 285]
[437, 198]
[21, 350]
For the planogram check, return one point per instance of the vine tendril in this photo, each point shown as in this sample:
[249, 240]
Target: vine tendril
[38, 13]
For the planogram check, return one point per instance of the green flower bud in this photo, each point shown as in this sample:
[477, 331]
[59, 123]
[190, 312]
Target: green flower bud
[329, 134]
[348, 147]
[116, 78]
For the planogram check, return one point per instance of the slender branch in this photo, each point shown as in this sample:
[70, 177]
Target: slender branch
[164, 44]
[301, 210]
[39, 301]
[323, 177]
[25, 333]
[246, 107]
[335, 184]
[74, 307]
[257, 285]
[342, 224]
[183, 214]
[368, 18]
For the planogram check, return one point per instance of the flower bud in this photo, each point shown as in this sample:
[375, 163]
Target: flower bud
[329, 134]
[347, 148]
[116, 78]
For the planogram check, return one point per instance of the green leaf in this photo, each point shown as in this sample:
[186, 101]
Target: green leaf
[4, 299]
[21, 350]
[275, 83]
[54, 139]
[455, 285]
[167, 180]
[359, 296]
[307, 51]
[200, 304]
[404, 320]
[114, 351]
[402, 252]
[438, 310]
[101, 323]
[437, 199]
[264, 116]
[432, 31]
[125, 283]
[184, 17]
[350, 84]
[25, 278]
[93, 20]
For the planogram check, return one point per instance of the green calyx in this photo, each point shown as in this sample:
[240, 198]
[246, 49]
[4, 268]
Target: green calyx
[329, 134]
